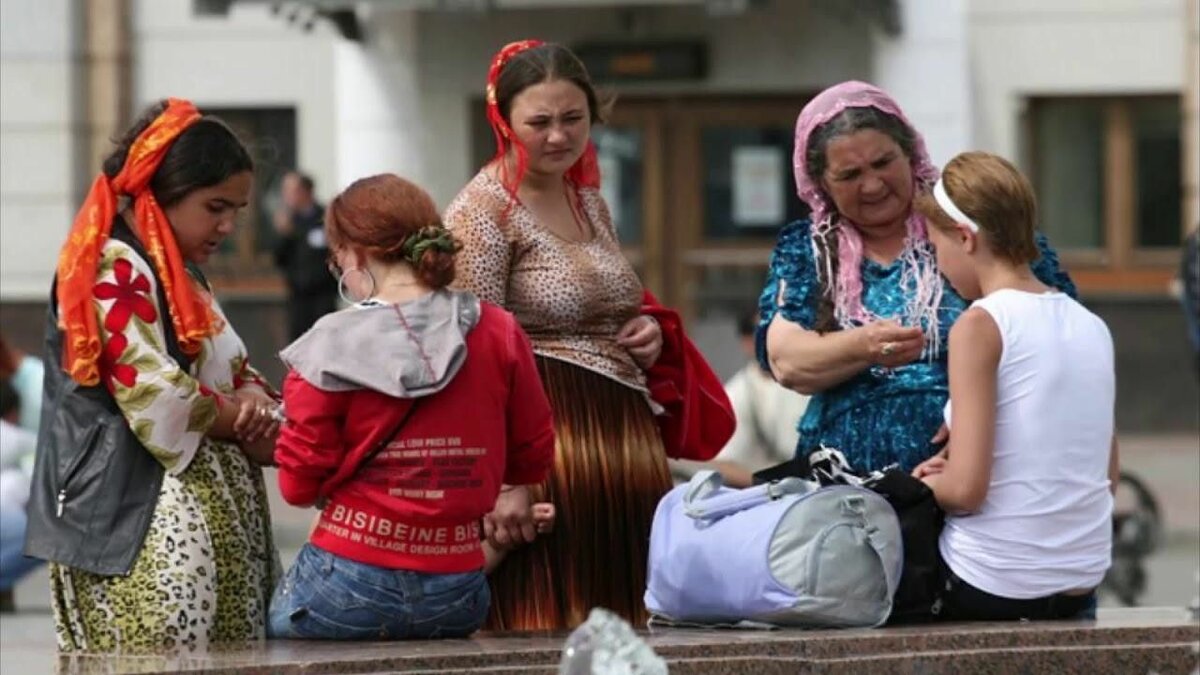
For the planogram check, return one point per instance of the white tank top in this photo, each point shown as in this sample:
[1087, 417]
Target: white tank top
[1046, 523]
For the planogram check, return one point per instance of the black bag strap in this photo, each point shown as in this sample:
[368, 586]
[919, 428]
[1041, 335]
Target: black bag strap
[379, 447]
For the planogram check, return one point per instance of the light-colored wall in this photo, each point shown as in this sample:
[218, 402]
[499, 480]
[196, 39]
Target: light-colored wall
[1024, 48]
[925, 69]
[378, 113]
[39, 100]
[786, 47]
[249, 58]
[401, 101]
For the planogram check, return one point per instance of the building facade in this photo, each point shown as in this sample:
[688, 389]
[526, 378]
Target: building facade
[1094, 98]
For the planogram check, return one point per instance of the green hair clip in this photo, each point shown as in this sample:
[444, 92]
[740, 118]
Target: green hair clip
[430, 237]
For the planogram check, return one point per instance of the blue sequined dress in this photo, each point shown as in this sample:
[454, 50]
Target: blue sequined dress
[878, 417]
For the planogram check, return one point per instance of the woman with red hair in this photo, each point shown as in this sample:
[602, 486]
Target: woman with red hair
[406, 413]
[539, 241]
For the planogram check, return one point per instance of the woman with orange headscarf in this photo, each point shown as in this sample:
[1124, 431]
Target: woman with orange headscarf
[147, 495]
[538, 240]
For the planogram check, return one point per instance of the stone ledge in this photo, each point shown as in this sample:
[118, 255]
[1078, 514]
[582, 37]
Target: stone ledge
[1121, 641]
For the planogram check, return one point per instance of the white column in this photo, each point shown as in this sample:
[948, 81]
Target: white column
[1191, 118]
[926, 70]
[378, 118]
[39, 146]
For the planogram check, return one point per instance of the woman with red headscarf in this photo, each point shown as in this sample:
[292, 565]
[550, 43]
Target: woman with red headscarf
[147, 496]
[539, 241]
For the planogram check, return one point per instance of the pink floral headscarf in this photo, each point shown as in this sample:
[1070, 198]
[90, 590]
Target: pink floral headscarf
[920, 276]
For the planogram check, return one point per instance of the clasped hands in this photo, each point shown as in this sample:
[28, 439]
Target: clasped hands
[257, 424]
[516, 519]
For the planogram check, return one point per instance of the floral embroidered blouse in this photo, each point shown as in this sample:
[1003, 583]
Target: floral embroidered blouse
[170, 410]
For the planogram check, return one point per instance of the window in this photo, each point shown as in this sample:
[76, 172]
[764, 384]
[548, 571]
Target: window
[1156, 136]
[1108, 174]
[270, 136]
[620, 153]
[1070, 172]
[748, 187]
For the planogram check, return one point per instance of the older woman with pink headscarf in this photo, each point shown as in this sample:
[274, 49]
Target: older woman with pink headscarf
[854, 310]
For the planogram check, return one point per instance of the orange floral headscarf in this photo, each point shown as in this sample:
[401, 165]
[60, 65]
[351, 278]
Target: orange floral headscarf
[585, 172]
[191, 313]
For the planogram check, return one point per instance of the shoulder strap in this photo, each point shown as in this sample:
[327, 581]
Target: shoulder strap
[703, 499]
[379, 447]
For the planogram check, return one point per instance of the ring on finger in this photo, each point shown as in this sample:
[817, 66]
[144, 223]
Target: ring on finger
[887, 348]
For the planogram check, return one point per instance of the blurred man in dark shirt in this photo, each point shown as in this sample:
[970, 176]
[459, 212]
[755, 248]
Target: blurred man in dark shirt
[301, 253]
[1189, 275]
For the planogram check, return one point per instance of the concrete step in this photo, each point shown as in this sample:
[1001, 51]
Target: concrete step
[1120, 641]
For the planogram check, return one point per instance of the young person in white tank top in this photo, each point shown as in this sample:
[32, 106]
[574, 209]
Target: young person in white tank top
[1027, 477]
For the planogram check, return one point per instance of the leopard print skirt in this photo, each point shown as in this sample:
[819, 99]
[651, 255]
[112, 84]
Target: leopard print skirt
[204, 575]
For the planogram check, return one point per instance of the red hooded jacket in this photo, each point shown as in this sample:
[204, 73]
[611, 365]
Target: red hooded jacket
[417, 504]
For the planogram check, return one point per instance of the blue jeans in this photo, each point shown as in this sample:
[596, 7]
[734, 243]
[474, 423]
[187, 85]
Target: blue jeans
[13, 563]
[326, 597]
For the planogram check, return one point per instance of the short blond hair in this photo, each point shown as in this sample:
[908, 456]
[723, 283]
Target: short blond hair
[994, 194]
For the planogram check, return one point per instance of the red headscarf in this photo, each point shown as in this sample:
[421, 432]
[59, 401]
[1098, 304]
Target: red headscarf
[585, 172]
[79, 259]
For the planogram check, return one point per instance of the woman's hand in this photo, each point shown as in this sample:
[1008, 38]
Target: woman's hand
[932, 466]
[642, 337]
[888, 344]
[256, 415]
[942, 435]
[511, 521]
[261, 451]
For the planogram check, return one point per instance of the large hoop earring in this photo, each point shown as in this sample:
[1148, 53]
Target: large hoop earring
[345, 295]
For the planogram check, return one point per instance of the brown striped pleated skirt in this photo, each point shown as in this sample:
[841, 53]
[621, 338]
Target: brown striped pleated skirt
[609, 474]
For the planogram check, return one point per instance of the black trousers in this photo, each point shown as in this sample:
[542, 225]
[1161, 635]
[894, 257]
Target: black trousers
[304, 309]
[960, 601]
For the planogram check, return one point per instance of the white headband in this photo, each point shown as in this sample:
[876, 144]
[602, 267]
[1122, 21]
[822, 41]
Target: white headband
[952, 210]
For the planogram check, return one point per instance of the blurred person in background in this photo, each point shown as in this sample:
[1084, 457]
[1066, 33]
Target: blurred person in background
[301, 253]
[767, 414]
[147, 495]
[20, 409]
[17, 448]
[25, 373]
[1189, 277]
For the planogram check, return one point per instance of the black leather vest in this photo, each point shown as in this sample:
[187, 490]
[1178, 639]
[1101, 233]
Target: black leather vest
[94, 485]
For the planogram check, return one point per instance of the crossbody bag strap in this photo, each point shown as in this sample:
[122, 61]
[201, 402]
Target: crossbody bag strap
[379, 447]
